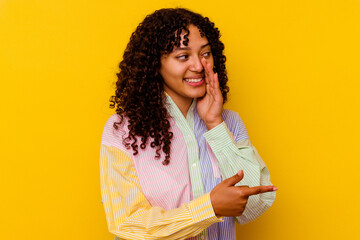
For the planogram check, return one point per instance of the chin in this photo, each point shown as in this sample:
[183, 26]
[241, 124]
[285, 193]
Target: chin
[199, 94]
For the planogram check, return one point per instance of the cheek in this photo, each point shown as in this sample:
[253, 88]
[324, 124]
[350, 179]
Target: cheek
[178, 72]
[175, 70]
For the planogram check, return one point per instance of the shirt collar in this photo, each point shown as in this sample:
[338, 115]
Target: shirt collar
[176, 113]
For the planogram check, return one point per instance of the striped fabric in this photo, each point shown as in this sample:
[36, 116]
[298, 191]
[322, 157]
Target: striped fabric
[143, 199]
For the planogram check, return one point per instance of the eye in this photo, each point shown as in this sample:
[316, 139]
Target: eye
[182, 57]
[206, 54]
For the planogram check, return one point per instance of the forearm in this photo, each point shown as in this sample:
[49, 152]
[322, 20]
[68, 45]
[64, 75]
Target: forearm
[232, 157]
[129, 214]
[155, 223]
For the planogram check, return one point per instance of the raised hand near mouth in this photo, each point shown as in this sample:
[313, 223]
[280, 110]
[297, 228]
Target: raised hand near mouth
[210, 106]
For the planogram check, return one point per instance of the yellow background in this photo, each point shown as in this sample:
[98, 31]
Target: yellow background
[294, 77]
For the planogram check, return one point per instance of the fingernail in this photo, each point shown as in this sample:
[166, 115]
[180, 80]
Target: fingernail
[239, 173]
[275, 188]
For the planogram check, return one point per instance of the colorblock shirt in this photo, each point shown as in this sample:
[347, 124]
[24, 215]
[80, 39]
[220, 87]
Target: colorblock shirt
[144, 199]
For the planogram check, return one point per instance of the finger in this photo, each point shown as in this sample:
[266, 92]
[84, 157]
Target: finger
[214, 77]
[204, 63]
[207, 76]
[208, 89]
[207, 67]
[258, 190]
[231, 181]
[210, 70]
[216, 80]
[210, 74]
[215, 86]
[218, 89]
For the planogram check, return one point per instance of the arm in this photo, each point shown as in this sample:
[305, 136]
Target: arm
[233, 156]
[130, 216]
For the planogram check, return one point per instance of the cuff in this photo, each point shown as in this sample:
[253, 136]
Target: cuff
[202, 210]
[219, 137]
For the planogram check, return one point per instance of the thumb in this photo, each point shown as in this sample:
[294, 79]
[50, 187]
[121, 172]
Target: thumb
[231, 181]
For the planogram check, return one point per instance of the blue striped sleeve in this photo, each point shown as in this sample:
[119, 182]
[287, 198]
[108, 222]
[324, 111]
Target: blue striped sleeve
[233, 156]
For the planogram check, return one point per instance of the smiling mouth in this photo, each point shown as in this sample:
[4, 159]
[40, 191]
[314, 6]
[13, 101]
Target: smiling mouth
[193, 80]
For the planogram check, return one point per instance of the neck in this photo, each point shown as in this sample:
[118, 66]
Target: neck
[184, 108]
[183, 104]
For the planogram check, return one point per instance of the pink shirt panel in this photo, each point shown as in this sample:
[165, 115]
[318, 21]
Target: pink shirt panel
[164, 186]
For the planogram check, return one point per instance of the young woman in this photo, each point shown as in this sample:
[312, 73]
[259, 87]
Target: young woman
[175, 164]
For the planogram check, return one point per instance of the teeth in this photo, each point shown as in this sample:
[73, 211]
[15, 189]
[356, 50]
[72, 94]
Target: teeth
[193, 80]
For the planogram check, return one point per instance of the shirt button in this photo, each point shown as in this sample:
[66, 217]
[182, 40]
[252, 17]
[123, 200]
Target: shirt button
[212, 141]
[194, 165]
[202, 237]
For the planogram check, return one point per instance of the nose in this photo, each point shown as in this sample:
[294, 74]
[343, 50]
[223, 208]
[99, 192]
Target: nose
[196, 65]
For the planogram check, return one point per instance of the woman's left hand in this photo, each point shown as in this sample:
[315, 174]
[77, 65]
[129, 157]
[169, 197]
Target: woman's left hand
[210, 106]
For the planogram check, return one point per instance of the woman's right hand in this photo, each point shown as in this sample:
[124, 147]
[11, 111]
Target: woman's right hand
[230, 200]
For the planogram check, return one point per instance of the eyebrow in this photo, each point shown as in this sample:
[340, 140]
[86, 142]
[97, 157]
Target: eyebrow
[187, 48]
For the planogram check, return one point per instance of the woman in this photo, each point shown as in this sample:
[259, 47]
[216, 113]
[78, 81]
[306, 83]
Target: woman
[170, 144]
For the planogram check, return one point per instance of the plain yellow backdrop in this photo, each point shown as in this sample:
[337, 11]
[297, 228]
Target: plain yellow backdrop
[294, 76]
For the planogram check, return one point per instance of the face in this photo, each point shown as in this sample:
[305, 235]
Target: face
[182, 71]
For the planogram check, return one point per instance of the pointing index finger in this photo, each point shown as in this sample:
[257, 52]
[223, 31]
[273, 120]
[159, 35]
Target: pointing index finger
[258, 189]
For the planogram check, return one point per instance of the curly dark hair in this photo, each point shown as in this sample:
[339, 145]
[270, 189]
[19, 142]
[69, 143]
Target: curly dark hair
[139, 92]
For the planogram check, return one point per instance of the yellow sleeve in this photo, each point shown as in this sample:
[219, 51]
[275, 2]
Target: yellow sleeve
[130, 216]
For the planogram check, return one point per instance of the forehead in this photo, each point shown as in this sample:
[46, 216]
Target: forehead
[194, 37]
